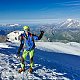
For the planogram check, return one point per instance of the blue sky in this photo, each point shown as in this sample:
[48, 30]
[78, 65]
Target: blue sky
[38, 9]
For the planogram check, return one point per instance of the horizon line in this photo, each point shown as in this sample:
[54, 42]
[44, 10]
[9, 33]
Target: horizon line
[23, 21]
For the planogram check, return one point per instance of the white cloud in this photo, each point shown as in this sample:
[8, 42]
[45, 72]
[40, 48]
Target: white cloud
[70, 3]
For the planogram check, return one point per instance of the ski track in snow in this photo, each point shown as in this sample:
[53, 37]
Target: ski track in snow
[47, 66]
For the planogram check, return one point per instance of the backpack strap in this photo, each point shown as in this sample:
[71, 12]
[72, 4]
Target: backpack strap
[32, 36]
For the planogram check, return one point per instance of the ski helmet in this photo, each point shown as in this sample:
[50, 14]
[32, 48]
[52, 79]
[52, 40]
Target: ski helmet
[26, 28]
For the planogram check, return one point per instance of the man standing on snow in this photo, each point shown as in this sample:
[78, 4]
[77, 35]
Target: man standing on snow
[28, 46]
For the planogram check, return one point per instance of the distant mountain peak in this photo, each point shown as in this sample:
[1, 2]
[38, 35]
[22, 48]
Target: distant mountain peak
[70, 23]
[69, 20]
[14, 24]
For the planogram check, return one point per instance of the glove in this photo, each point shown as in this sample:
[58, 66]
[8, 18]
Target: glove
[42, 32]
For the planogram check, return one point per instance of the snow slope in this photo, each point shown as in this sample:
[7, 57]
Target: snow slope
[14, 36]
[70, 23]
[9, 70]
[4, 45]
[68, 48]
[48, 64]
[9, 67]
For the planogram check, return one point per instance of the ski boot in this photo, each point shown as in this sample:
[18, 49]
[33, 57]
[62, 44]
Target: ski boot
[21, 70]
[30, 70]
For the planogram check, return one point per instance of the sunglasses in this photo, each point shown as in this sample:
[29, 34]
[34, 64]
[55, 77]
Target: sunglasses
[26, 30]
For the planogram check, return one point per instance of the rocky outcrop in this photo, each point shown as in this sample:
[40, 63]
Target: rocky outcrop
[3, 38]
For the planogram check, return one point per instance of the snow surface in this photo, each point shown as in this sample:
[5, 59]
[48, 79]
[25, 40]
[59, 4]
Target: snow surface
[50, 63]
[9, 70]
[69, 20]
[68, 48]
[70, 23]
[14, 36]
[4, 45]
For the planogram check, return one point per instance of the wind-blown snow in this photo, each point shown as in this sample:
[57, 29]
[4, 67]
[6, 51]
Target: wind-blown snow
[68, 48]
